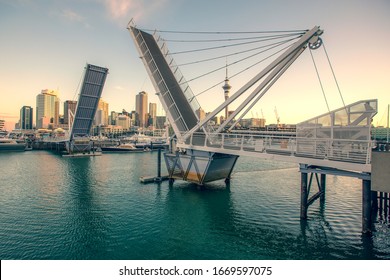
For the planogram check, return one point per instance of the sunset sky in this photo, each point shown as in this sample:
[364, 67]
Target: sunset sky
[45, 44]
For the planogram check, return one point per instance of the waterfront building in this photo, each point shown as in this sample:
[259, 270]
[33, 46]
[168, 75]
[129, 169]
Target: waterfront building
[113, 117]
[160, 122]
[141, 103]
[109, 130]
[252, 123]
[152, 113]
[123, 121]
[101, 116]
[380, 133]
[98, 120]
[26, 117]
[47, 109]
[216, 120]
[133, 118]
[69, 105]
[201, 113]
[45, 122]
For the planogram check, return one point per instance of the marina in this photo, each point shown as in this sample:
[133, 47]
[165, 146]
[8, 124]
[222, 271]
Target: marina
[96, 208]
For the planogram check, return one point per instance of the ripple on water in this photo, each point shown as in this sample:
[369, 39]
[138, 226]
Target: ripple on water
[95, 208]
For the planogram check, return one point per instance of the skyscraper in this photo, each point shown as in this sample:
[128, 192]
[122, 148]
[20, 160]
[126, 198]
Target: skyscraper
[26, 117]
[69, 105]
[141, 107]
[113, 117]
[48, 109]
[152, 113]
[103, 107]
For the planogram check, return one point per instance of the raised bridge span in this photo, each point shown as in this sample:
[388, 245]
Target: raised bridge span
[337, 142]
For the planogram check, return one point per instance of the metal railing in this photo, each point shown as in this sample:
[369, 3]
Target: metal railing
[353, 151]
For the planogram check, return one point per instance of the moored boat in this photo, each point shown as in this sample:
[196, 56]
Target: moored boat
[124, 147]
[9, 145]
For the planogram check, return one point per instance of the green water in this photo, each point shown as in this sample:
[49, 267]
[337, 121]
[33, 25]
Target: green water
[95, 208]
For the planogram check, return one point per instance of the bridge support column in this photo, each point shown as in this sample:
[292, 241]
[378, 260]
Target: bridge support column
[366, 203]
[158, 178]
[306, 184]
[304, 195]
[322, 187]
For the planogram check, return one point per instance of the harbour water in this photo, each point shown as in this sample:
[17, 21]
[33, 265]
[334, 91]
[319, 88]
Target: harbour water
[95, 208]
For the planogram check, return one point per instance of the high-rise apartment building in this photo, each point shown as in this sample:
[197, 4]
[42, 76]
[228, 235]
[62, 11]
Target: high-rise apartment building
[113, 117]
[69, 105]
[101, 116]
[152, 113]
[48, 109]
[26, 117]
[141, 107]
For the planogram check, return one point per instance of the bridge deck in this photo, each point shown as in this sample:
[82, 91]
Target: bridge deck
[334, 153]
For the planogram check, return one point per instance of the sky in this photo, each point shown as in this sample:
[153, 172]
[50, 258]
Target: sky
[45, 44]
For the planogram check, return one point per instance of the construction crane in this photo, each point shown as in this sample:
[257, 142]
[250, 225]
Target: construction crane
[277, 118]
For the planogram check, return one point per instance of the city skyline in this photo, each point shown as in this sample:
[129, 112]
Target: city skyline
[62, 37]
[48, 109]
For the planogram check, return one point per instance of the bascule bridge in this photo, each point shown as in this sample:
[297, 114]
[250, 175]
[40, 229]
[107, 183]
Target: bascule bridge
[337, 142]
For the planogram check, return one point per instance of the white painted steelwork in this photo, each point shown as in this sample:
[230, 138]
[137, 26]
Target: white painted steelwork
[339, 139]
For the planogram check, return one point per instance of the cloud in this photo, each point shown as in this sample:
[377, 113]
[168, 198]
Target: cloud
[119, 88]
[72, 16]
[119, 9]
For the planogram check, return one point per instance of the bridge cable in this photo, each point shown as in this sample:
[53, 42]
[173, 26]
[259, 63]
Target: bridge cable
[78, 86]
[233, 39]
[225, 46]
[236, 53]
[224, 32]
[240, 72]
[319, 79]
[274, 45]
[235, 62]
[334, 76]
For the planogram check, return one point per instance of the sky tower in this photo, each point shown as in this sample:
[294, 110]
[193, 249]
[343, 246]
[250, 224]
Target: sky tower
[226, 87]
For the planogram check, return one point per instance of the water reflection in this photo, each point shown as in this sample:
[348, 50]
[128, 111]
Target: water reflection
[194, 216]
[85, 216]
